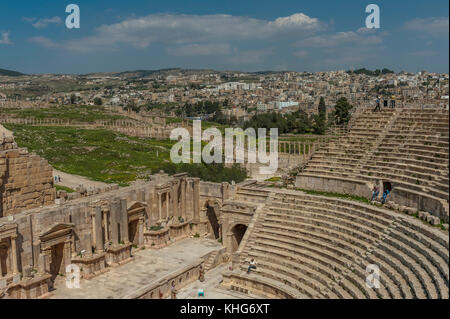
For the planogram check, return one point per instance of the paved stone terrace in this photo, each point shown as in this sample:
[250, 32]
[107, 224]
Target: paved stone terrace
[148, 266]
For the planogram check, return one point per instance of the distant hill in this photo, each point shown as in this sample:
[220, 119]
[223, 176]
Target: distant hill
[10, 73]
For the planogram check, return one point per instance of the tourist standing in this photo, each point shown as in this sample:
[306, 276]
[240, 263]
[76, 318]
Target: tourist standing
[173, 291]
[375, 192]
[393, 101]
[385, 195]
[377, 107]
[201, 274]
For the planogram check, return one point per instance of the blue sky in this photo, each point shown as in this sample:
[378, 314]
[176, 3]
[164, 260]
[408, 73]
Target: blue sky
[247, 35]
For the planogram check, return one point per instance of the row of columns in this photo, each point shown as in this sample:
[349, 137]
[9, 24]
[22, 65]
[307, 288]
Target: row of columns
[176, 203]
[298, 148]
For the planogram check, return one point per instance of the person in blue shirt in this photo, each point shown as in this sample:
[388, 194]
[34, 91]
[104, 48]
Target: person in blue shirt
[385, 195]
[377, 108]
[375, 192]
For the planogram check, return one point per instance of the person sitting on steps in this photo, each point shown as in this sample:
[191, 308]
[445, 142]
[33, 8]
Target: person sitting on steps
[251, 266]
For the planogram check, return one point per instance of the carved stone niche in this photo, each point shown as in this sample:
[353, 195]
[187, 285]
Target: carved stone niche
[136, 218]
[8, 251]
[57, 244]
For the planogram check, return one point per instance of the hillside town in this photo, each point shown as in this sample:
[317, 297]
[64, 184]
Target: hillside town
[240, 94]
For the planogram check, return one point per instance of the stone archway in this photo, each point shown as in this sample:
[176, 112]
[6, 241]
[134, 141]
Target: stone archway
[237, 233]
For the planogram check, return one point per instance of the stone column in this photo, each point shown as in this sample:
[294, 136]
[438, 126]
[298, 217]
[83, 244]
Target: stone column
[98, 230]
[86, 243]
[159, 206]
[183, 198]
[105, 218]
[168, 199]
[114, 209]
[14, 255]
[196, 199]
[42, 263]
[141, 231]
[1, 270]
[67, 255]
[124, 221]
[174, 194]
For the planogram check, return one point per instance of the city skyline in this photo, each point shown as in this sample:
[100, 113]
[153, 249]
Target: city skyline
[257, 36]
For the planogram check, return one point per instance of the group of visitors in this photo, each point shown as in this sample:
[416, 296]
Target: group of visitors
[376, 192]
[57, 179]
[385, 103]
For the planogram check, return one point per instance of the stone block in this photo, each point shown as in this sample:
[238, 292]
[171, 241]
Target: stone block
[423, 215]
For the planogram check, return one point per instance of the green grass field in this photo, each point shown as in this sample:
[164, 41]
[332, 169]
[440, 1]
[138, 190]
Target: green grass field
[76, 113]
[111, 157]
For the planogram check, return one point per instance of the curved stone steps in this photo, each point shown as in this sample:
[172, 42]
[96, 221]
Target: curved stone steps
[327, 278]
[297, 273]
[335, 255]
[330, 272]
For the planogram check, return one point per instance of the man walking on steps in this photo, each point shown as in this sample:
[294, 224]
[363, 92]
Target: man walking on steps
[377, 108]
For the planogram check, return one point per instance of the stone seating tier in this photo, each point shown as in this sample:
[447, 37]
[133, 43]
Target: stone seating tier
[321, 247]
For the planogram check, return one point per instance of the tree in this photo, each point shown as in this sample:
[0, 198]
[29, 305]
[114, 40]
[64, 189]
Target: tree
[319, 127]
[342, 111]
[98, 101]
[73, 99]
[131, 105]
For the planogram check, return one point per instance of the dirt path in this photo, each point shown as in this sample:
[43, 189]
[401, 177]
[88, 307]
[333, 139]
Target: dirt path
[73, 181]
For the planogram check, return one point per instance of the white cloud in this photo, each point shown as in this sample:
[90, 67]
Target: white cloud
[250, 56]
[437, 26]
[362, 36]
[27, 19]
[201, 49]
[43, 23]
[192, 29]
[301, 54]
[45, 42]
[4, 38]
[296, 20]
[423, 53]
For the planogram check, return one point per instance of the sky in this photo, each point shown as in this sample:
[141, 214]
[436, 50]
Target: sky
[245, 35]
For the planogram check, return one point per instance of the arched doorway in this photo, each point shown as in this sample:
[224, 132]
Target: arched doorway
[238, 233]
[213, 221]
[387, 186]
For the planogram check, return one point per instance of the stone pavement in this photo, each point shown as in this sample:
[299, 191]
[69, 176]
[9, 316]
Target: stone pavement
[147, 266]
[211, 287]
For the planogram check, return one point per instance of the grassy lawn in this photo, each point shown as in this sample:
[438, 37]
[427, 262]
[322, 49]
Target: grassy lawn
[64, 188]
[77, 113]
[101, 155]
[111, 157]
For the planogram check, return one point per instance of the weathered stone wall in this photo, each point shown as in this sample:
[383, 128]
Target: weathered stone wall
[94, 231]
[333, 185]
[26, 180]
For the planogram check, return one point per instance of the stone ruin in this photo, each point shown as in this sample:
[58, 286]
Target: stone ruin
[26, 180]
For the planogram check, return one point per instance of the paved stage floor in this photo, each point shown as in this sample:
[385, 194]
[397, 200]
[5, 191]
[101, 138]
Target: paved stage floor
[148, 266]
